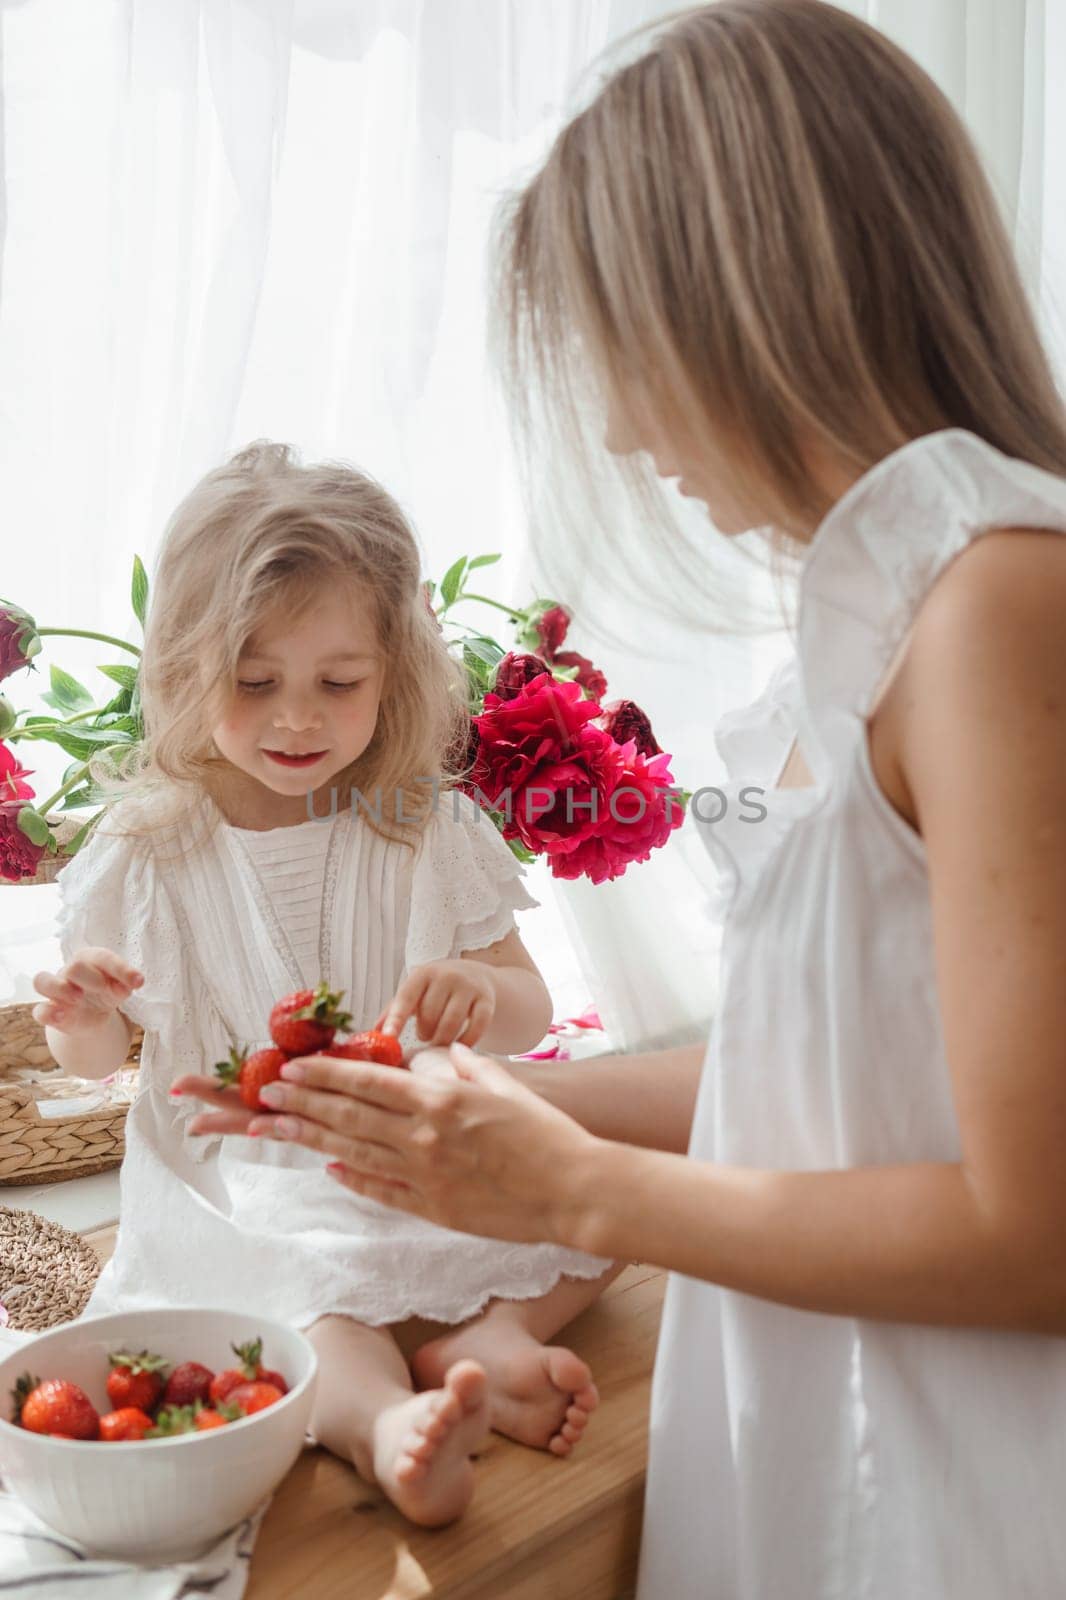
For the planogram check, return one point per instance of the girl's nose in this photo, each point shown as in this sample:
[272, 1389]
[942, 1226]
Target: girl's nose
[298, 718]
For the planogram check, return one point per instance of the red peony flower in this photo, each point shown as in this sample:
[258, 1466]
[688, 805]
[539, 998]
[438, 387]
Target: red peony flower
[624, 720]
[566, 798]
[19, 856]
[12, 776]
[530, 733]
[589, 677]
[18, 639]
[551, 629]
[515, 671]
[639, 817]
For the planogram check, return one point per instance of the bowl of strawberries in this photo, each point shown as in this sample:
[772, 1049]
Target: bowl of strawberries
[146, 1434]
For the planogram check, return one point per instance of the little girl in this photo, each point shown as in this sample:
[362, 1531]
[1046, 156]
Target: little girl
[300, 709]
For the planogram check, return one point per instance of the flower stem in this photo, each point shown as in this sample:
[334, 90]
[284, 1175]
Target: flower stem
[44, 806]
[87, 633]
[40, 730]
[483, 599]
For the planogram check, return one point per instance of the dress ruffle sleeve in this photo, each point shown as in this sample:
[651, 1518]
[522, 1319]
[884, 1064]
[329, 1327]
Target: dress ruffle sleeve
[466, 884]
[111, 895]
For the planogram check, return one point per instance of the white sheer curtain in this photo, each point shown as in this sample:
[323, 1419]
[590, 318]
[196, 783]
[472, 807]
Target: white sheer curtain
[645, 939]
[232, 218]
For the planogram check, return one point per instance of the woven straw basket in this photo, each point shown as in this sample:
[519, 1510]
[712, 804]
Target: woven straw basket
[35, 1148]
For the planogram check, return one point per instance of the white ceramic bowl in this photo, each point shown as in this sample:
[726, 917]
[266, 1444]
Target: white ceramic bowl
[155, 1499]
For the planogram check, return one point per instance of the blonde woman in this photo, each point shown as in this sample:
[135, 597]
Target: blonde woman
[285, 831]
[769, 241]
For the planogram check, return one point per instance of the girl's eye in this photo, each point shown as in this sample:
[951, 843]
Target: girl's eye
[267, 683]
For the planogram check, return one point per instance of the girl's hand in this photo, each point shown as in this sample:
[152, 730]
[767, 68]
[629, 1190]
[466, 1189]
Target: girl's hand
[450, 999]
[478, 1152]
[82, 995]
[229, 1114]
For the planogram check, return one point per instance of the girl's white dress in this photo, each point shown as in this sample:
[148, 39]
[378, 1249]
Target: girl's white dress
[223, 930]
[794, 1455]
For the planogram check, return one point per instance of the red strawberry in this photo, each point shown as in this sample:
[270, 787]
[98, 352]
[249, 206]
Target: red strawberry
[384, 1048]
[217, 1417]
[252, 1397]
[187, 1384]
[130, 1422]
[55, 1406]
[306, 1021]
[250, 1370]
[251, 1072]
[135, 1380]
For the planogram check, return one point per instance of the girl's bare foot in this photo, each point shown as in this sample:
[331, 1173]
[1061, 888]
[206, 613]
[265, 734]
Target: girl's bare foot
[422, 1446]
[541, 1395]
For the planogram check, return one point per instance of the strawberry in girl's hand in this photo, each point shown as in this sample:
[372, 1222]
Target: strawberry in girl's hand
[187, 1383]
[135, 1380]
[306, 1021]
[384, 1048]
[118, 1427]
[250, 1370]
[55, 1406]
[252, 1397]
[250, 1073]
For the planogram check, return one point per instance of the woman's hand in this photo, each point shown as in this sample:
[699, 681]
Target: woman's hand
[478, 1152]
[449, 999]
[82, 996]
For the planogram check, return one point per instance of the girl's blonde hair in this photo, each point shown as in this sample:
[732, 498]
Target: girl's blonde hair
[255, 541]
[773, 230]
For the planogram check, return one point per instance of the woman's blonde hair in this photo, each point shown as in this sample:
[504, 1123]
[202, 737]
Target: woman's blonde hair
[259, 539]
[772, 228]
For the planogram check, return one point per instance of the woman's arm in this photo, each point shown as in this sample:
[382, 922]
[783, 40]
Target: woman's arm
[643, 1099]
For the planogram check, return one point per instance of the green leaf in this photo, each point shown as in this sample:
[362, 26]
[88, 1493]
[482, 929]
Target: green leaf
[67, 693]
[483, 561]
[33, 825]
[519, 850]
[139, 590]
[125, 677]
[452, 580]
[486, 650]
[77, 799]
[82, 835]
[430, 587]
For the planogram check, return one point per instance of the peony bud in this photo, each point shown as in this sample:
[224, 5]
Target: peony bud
[18, 639]
[624, 720]
[514, 672]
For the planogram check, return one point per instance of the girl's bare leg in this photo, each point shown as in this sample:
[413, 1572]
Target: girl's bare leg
[417, 1447]
[539, 1394]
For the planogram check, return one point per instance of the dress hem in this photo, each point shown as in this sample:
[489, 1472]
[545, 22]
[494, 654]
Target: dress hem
[304, 1320]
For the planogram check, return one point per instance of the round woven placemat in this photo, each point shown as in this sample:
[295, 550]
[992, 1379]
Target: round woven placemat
[46, 1272]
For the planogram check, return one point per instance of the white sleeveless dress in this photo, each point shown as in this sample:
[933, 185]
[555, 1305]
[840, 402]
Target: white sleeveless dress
[794, 1455]
[220, 933]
